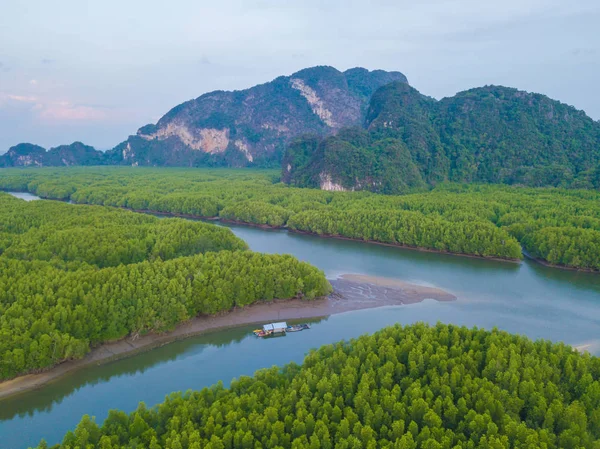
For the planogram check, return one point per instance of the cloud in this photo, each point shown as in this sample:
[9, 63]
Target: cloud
[443, 46]
[21, 98]
[65, 111]
[33, 82]
[52, 110]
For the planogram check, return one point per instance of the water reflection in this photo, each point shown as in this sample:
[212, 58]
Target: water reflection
[336, 256]
[24, 196]
[45, 398]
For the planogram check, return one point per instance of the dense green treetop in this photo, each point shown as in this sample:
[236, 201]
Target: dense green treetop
[442, 387]
[557, 225]
[74, 276]
[100, 236]
[50, 314]
[387, 166]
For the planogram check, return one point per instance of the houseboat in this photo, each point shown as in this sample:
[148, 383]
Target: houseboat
[271, 329]
[279, 329]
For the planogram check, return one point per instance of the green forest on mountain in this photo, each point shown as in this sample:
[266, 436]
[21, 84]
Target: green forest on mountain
[559, 226]
[74, 276]
[410, 387]
[491, 134]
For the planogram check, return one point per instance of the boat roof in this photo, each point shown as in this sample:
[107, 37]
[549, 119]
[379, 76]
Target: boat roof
[271, 326]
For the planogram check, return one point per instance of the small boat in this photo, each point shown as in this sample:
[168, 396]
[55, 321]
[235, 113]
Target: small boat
[263, 334]
[260, 333]
[271, 330]
[297, 327]
[279, 329]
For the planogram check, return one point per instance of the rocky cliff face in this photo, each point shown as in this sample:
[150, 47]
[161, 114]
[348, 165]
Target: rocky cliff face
[252, 127]
[30, 155]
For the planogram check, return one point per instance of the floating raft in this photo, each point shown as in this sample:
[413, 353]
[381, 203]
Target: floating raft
[279, 329]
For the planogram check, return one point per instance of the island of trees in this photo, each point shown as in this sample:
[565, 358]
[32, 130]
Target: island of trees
[558, 226]
[74, 276]
[441, 387]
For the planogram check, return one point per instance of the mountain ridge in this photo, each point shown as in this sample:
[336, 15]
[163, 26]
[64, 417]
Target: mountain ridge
[252, 126]
[248, 127]
[368, 130]
[28, 154]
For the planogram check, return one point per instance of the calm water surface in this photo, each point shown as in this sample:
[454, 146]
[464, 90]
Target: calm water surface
[25, 196]
[529, 299]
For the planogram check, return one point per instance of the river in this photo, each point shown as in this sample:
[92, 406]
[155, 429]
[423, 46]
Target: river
[530, 299]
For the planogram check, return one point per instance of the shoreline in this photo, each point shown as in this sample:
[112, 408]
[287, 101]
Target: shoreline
[325, 236]
[126, 347]
[314, 234]
[296, 231]
[338, 237]
[561, 267]
[399, 245]
[341, 237]
[351, 293]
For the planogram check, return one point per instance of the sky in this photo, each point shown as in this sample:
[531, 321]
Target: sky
[96, 71]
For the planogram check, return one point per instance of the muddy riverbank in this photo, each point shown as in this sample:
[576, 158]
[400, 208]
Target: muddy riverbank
[351, 292]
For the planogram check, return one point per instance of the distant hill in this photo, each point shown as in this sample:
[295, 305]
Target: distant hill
[360, 129]
[30, 155]
[491, 134]
[252, 127]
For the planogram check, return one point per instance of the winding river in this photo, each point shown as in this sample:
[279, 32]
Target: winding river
[529, 299]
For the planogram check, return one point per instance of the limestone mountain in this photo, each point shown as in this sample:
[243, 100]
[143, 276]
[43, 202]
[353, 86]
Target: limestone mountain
[491, 134]
[360, 129]
[252, 127]
[23, 155]
[30, 155]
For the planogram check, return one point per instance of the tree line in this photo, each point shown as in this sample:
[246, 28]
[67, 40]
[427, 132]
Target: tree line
[413, 229]
[59, 232]
[419, 386]
[559, 226]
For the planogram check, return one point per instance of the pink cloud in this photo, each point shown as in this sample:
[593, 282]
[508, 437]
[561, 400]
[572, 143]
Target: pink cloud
[22, 98]
[66, 111]
[53, 110]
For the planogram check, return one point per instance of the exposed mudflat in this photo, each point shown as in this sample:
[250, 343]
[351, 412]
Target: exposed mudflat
[380, 290]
